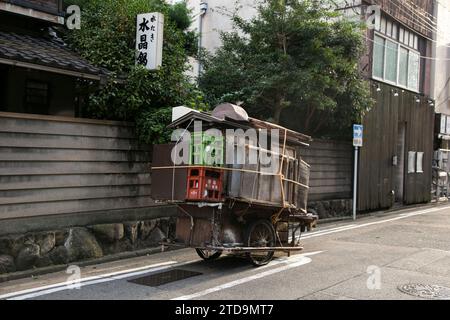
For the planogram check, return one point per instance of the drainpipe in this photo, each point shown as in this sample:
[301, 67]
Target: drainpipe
[203, 10]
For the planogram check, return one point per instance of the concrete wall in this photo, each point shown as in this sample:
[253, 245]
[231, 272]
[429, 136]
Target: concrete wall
[441, 48]
[216, 20]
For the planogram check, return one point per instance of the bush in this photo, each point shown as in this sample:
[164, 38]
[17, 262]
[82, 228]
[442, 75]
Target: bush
[132, 93]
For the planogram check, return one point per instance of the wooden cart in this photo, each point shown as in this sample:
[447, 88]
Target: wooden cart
[260, 209]
[241, 228]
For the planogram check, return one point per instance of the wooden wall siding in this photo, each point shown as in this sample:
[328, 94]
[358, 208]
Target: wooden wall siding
[52, 165]
[409, 17]
[331, 169]
[376, 176]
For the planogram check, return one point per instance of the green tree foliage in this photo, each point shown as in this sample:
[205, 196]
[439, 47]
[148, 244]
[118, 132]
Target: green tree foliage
[295, 63]
[132, 93]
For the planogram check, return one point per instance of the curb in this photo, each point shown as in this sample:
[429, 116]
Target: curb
[386, 212]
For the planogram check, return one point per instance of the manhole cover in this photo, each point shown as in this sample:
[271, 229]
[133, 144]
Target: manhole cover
[158, 279]
[426, 291]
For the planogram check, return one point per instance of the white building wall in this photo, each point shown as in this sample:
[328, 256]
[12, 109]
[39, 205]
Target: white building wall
[441, 88]
[217, 19]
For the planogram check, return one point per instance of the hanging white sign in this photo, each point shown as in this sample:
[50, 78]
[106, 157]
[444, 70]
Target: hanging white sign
[149, 40]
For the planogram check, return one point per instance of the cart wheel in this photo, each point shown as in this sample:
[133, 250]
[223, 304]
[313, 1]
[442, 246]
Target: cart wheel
[208, 255]
[260, 234]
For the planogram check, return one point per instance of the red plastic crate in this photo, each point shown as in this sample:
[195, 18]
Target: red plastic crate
[204, 184]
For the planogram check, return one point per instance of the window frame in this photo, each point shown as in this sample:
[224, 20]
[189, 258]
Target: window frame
[399, 45]
[4, 76]
[34, 107]
[418, 69]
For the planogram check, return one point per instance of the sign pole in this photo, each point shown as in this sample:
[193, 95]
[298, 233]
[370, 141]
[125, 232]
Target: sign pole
[355, 183]
[358, 131]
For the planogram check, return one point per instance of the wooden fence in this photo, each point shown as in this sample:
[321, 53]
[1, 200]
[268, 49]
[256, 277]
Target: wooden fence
[331, 169]
[55, 166]
[60, 172]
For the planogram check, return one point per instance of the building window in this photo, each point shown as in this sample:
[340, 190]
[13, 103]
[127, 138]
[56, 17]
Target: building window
[403, 67]
[443, 128]
[3, 89]
[36, 97]
[447, 126]
[378, 57]
[395, 63]
[396, 59]
[391, 54]
[413, 71]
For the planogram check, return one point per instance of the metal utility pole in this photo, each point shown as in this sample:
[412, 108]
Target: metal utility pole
[355, 183]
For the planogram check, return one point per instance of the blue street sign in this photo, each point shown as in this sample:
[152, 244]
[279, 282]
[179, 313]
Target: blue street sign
[358, 135]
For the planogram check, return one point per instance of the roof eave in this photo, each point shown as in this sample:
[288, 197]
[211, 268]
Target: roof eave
[66, 72]
[32, 13]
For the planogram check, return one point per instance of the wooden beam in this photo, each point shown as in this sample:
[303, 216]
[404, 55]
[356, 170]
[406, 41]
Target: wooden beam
[28, 116]
[34, 66]
[31, 13]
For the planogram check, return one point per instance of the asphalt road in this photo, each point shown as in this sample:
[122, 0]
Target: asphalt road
[366, 259]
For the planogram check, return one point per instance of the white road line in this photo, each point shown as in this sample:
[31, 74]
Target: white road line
[109, 276]
[45, 290]
[400, 217]
[332, 229]
[84, 284]
[294, 262]
[325, 231]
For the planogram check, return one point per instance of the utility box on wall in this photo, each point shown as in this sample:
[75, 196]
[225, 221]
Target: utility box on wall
[442, 131]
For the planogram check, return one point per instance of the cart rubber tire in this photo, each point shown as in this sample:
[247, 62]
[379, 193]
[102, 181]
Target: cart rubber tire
[208, 257]
[265, 230]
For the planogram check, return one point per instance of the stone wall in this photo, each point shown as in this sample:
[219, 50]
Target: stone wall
[60, 247]
[332, 208]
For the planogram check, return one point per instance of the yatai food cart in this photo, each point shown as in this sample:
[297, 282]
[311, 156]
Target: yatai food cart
[236, 207]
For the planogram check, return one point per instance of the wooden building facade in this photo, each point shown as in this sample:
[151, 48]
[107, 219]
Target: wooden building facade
[395, 161]
[57, 170]
[38, 73]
